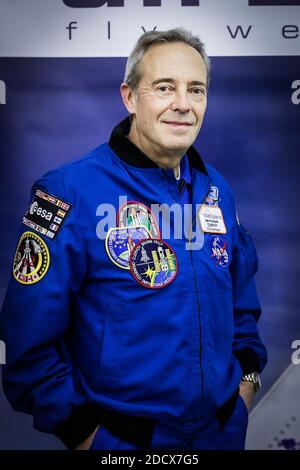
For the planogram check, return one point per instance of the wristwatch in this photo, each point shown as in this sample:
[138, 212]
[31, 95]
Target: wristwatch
[254, 378]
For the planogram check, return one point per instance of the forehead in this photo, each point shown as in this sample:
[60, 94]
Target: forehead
[175, 60]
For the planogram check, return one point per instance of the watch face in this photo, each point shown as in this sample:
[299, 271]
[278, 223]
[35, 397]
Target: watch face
[256, 379]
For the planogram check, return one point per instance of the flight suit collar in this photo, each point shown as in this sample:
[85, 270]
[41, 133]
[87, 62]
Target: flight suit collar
[133, 155]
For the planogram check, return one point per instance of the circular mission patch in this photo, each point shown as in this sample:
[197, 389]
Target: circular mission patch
[135, 213]
[31, 260]
[120, 242]
[153, 263]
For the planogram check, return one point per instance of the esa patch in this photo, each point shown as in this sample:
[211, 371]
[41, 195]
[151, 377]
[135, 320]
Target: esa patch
[135, 214]
[31, 260]
[153, 263]
[219, 253]
[46, 214]
[120, 242]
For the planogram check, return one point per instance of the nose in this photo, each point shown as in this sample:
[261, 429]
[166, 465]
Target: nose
[181, 102]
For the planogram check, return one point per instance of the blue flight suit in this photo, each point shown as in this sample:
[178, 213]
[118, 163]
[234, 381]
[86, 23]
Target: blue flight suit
[155, 365]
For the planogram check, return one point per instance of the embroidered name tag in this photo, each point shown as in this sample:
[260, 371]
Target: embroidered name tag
[211, 219]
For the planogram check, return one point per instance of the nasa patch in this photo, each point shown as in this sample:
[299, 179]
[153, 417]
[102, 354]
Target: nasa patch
[46, 214]
[153, 263]
[31, 260]
[137, 214]
[219, 253]
[120, 241]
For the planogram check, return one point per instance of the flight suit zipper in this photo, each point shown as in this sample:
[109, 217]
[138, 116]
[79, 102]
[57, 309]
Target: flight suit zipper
[196, 285]
[197, 294]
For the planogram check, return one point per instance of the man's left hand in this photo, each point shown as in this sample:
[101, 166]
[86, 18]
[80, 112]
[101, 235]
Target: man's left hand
[247, 393]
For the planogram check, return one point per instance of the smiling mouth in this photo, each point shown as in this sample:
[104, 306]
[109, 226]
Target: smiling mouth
[178, 123]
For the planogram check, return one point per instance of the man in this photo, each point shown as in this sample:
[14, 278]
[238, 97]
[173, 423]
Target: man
[137, 340]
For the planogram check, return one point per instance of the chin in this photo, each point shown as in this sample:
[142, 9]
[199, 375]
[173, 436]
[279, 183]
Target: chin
[179, 144]
[177, 149]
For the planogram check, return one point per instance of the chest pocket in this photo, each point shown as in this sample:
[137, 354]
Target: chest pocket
[248, 249]
[244, 261]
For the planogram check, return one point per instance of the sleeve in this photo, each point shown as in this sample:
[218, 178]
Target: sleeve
[247, 344]
[48, 270]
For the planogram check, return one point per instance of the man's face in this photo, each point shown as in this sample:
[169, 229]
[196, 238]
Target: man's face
[170, 101]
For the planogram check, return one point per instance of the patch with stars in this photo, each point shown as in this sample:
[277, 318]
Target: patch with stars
[32, 259]
[120, 242]
[153, 263]
[219, 253]
[137, 214]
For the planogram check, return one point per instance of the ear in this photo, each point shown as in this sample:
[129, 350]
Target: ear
[129, 98]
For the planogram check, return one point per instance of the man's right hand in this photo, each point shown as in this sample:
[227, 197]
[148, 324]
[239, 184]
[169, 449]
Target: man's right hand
[86, 444]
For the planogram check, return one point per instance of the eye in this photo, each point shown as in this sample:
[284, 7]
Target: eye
[198, 91]
[164, 89]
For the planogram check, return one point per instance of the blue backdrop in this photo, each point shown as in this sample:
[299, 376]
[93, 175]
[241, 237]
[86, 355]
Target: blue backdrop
[59, 109]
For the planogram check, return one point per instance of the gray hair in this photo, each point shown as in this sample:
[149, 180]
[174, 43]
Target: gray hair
[133, 71]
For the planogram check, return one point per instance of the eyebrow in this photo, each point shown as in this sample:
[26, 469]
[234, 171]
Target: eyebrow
[171, 80]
